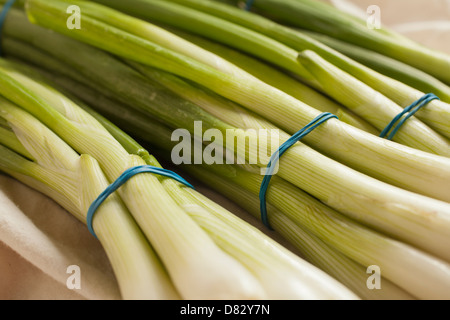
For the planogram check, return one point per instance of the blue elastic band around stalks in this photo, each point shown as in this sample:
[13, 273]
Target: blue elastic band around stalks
[409, 112]
[276, 156]
[124, 177]
[3, 15]
[249, 4]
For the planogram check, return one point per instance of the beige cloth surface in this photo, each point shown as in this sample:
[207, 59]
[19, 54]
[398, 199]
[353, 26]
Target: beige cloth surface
[425, 21]
[39, 240]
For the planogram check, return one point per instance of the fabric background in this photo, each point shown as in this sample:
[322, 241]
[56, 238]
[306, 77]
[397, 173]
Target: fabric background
[425, 21]
[39, 240]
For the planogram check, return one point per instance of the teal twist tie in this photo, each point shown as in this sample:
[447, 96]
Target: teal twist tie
[124, 177]
[276, 156]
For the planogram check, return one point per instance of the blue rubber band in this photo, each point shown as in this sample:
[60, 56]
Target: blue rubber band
[3, 15]
[248, 5]
[275, 157]
[409, 112]
[124, 177]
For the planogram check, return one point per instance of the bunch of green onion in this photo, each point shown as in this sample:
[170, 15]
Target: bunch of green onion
[165, 241]
[345, 197]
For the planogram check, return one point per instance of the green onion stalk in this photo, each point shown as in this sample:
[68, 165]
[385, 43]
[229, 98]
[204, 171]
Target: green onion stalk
[239, 261]
[387, 66]
[317, 175]
[323, 18]
[328, 237]
[231, 26]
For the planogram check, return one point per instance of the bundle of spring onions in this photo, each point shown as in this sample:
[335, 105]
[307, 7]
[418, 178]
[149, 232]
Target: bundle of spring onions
[345, 197]
[165, 241]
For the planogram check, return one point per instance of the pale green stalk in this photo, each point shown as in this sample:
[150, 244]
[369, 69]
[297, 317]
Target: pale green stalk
[158, 279]
[390, 67]
[38, 178]
[158, 35]
[74, 182]
[372, 106]
[323, 18]
[283, 275]
[18, 49]
[387, 161]
[436, 114]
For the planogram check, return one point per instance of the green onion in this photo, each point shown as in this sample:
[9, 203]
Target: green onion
[144, 122]
[387, 66]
